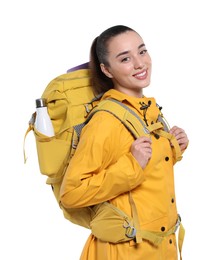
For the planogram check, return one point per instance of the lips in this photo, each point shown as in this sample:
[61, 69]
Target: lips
[141, 75]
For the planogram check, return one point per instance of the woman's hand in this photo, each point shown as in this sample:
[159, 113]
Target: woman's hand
[141, 150]
[181, 137]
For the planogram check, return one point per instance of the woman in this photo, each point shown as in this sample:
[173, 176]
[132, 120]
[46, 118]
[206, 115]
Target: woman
[109, 163]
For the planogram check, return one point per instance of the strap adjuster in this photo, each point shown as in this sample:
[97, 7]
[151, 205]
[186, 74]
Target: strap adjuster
[130, 230]
[177, 223]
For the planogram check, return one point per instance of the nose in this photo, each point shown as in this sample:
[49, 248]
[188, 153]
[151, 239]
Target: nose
[138, 63]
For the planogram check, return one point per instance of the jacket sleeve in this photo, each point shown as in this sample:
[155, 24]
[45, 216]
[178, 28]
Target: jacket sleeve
[102, 166]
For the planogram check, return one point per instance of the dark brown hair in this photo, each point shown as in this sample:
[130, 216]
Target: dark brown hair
[99, 54]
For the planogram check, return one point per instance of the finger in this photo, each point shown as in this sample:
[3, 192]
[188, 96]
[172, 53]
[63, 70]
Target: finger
[183, 146]
[143, 139]
[143, 147]
[180, 135]
[175, 130]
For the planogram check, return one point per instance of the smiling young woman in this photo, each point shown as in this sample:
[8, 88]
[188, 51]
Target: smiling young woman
[136, 176]
[129, 64]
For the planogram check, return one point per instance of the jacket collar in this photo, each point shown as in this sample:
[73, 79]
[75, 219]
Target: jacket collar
[135, 103]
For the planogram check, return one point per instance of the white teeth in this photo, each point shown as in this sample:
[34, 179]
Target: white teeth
[141, 74]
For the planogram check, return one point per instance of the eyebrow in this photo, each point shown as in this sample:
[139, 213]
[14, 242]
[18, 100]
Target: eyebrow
[125, 52]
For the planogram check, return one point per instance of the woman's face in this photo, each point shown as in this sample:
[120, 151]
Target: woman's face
[129, 63]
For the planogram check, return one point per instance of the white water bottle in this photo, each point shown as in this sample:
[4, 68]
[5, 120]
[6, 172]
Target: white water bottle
[43, 122]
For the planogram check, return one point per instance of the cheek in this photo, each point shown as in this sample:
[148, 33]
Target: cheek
[149, 66]
[127, 69]
[149, 61]
[122, 71]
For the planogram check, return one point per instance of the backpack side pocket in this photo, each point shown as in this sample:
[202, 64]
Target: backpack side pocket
[52, 153]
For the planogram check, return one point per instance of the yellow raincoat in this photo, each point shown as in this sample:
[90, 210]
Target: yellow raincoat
[103, 169]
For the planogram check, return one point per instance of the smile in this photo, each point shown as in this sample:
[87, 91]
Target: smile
[141, 75]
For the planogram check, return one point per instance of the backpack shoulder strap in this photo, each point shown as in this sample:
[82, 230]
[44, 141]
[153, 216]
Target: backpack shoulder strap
[128, 117]
[135, 124]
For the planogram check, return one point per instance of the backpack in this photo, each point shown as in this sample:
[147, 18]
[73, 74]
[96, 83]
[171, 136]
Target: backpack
[71, 104]
[70, 100]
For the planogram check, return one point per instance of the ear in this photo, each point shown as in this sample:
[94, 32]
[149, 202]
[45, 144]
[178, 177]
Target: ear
[106, 71]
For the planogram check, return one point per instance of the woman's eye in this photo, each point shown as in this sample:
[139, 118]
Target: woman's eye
[143, 52]
[125, 59]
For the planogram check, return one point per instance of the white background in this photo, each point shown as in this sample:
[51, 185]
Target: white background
[41, 40]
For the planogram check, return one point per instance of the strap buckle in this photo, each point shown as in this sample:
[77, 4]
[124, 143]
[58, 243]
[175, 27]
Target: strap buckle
[130, 230]
[177, 223]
